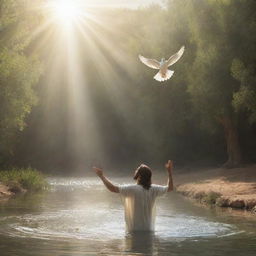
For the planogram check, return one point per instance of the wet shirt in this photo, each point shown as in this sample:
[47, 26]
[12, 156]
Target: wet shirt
[139, 205]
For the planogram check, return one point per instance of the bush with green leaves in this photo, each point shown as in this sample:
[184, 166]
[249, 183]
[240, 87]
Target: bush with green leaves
[29, 179]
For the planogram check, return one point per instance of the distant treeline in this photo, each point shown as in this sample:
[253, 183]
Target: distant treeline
[95, 103]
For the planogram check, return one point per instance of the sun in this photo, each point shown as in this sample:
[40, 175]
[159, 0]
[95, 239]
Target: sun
[66, 11]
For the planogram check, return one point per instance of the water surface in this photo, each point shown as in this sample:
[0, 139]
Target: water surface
[79, 217]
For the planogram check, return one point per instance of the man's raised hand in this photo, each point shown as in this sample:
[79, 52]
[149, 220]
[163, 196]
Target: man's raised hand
[169, 165]
[98, 171]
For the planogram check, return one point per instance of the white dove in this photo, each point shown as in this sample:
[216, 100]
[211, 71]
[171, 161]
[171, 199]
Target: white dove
[164, 73]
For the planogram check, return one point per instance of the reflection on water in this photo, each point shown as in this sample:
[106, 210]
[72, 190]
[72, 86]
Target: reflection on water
[79, 217]
[134, 242]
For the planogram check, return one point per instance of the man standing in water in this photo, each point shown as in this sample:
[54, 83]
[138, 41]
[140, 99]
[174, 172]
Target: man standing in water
[139, 199]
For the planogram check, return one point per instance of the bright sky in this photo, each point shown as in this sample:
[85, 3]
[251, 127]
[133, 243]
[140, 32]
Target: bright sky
[67, 12]
[123, 3]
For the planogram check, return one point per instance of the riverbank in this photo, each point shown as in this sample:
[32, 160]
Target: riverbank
[5, 192]
[18, 181]
[235, 188]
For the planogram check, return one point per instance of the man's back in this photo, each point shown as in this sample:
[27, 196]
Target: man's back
[139, 200]
[139, 204]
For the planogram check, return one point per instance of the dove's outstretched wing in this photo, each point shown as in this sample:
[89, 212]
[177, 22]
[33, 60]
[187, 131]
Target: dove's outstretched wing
[150, 62]
[175, 57]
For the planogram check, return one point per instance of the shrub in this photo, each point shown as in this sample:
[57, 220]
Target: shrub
[29, 179]
[211, 197]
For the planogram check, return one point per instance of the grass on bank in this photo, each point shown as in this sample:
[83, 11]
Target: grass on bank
[29, 179]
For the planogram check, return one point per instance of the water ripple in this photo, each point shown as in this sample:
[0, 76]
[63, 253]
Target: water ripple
[104, 224]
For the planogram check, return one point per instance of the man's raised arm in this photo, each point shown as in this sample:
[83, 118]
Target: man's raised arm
[109, 185]
[169, 167]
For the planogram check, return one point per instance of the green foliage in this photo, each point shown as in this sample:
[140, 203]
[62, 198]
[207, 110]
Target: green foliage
[243, 64]
[19, 72]
[211, 197]
[210, 84]
[245, 98]
[29, 179]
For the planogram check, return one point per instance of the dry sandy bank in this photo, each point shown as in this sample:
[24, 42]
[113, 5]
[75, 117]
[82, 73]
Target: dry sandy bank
[5, 192]
[234, 188]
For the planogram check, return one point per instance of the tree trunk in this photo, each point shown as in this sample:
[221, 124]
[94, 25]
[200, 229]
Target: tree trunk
[233, 147]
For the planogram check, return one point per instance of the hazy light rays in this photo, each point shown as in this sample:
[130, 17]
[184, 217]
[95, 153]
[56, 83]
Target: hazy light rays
[55, 57]
[86, 62]
[84, 135]
[111, 74]
[116, 70]
[39, 30]
[109, 50]
[120, 86]
[42, 40]
[47, 15]
[77, 97]
[112, 62]
[99, 72]
[102, 65]
[100, 27]
[65, 97]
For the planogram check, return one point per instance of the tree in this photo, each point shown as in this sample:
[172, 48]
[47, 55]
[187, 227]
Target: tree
[243, 66]
[217, 37]
[245, 98]
[19, 72]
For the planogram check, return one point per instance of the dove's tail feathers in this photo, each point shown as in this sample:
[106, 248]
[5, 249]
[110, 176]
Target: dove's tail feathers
[161, 78]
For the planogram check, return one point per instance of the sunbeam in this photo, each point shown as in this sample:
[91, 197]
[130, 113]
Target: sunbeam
[66, 12]
[86, 60]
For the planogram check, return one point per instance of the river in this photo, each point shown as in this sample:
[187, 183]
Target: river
[77, 216]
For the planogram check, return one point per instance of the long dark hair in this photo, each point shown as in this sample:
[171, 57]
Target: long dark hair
[143, 176]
